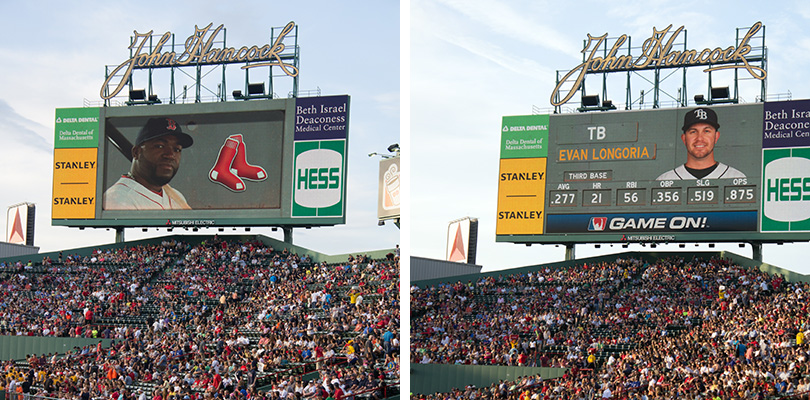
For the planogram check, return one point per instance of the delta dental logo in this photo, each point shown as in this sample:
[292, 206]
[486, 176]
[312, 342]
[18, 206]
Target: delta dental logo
[597, 224]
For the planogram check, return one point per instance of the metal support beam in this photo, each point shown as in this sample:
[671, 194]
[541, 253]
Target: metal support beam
[288, 234]
[756, 248]
[119, 235]
[569, 252]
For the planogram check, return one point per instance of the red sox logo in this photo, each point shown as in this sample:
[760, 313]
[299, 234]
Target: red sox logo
[170, 124]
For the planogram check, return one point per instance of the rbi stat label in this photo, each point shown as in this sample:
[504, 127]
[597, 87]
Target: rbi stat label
[319, 178]
[524, 136]
[786, 190]
[74, 183]
[521, 196]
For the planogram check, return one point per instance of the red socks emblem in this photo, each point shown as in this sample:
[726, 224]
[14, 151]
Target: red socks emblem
[232, 166]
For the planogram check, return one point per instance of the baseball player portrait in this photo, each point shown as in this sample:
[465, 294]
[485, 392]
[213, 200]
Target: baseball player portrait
[155, 161]
[701, 131]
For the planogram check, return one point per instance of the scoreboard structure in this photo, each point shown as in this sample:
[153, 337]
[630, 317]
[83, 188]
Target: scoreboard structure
[292, 154]
[613, 177]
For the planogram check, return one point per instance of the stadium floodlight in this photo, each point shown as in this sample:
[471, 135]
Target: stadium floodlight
[719, 93]
[255, 89]
[137, 94]
[590, 101]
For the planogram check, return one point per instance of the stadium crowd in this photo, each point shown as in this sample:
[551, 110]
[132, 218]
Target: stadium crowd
[217, 320]
[676, 328]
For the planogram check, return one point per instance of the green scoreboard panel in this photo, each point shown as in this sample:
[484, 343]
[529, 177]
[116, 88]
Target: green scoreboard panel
[718, 173]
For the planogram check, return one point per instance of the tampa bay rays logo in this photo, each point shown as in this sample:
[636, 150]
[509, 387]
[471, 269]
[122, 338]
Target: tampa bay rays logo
[701, 114]
[170, 124]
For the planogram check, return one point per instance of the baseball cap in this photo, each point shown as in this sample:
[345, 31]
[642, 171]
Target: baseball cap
[157, 127]
[701, 114]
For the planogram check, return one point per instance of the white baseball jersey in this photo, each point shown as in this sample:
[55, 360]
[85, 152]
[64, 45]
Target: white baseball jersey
[722, 171]
[128, 194]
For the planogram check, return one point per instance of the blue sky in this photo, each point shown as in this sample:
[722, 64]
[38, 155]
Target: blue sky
[470, 62]
[54, 54]
[474, 61]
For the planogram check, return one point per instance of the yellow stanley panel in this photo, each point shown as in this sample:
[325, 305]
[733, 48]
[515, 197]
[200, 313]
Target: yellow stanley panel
[74, 183]
[521, 196]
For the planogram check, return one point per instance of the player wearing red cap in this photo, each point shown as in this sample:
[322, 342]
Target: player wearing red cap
[155, 161]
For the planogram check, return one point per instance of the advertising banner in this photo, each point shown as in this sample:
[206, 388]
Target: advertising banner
[524, 136]
[77, 132]
[319, 180]
[389, 185]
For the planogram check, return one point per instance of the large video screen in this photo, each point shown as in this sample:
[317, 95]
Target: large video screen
[247, 163]
[702, 173]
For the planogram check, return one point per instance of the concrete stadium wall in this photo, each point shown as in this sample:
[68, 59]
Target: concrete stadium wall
[197, 239]
[16, 250]
[427, 268]
[441, 378]
[790, 276]
[17, 347]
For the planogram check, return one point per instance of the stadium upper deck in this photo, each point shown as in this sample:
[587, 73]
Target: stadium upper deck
[214, 318]
[674, 327]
